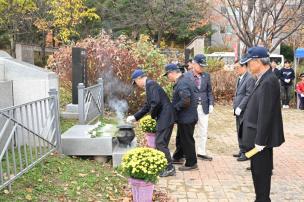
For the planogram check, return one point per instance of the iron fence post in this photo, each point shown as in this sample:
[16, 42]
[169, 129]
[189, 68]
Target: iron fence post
[54, 95]
[100, 82]
[81, 103]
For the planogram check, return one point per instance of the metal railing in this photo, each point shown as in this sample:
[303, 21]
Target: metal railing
[28, 133]
[90, 102]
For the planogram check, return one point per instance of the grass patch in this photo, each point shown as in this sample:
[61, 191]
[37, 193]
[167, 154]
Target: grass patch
[61, 178]
[65, 124]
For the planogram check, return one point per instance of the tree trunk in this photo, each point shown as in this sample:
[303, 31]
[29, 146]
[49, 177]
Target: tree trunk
[159, 36]
[53, 38]
[13, 45]
[43, 57]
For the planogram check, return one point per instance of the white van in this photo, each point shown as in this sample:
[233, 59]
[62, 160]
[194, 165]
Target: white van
[229, 59]
[279, 59]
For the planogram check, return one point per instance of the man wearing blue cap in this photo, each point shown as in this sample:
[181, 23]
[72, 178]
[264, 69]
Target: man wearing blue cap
[262, 126]
[201, 81]
[244, 86]
[160, 108]
[184, 103]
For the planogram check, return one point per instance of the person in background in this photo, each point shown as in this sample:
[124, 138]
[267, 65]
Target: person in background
[184, 103]
[189, 65]
[160, 108]
[274, 68]
[300, 91]
[287, 76]
[244, 85]
[202, 82]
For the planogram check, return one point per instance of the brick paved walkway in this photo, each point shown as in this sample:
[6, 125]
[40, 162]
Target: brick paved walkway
[225, 179]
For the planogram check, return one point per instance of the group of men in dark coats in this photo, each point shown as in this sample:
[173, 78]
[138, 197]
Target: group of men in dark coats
[256, 106]
[183, 111]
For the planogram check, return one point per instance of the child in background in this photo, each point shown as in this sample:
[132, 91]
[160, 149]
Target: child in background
[287, 76]
[300, 91]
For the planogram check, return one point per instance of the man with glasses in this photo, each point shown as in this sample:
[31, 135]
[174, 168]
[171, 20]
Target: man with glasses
[262, 125]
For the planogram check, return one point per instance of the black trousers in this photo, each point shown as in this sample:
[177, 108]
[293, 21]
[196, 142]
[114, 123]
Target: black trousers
[179, 153]
[261, 169]
[241, 146]
[162, 140]
[285, 94]
[301, 102]
[185, 143]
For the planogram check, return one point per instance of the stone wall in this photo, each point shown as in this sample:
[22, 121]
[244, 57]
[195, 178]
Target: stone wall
[6, 94]
[29, 81]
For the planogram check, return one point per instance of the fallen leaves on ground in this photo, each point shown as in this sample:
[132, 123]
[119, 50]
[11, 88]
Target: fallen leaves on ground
[82, 174]
[28, 197]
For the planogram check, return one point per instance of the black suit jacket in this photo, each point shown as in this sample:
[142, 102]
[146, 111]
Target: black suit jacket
[262, 121]
[159, 106]
[184, 101]
[243, 91]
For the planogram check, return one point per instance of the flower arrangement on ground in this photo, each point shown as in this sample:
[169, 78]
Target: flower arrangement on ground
[147, 124]
[143, 163]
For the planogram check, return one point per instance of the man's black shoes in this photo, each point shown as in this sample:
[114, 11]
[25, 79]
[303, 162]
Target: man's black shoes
[204, 157]
[178, 161]
[187, 168]
[168, 172]
[242, 157]
[237, 155]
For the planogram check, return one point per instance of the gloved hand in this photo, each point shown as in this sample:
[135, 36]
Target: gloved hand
[287, 80]
[238, 111]
[130, 119]
[210, 109]
[259, 147]
[302, 95]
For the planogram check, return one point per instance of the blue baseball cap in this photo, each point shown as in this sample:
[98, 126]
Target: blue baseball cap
[137, 73]
[244, 60]
[256, 52]
[201, 60]
[170, 67]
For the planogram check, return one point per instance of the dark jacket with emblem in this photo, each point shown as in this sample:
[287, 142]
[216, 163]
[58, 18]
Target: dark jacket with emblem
[262, 121]
[159, 106]
[184, 101]
[204, 94]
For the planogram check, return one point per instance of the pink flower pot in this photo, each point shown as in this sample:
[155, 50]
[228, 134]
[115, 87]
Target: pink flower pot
[150, 137]
[142, 191]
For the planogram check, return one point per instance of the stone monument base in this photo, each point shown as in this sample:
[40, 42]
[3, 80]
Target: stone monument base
[78, 142]
[71, 112]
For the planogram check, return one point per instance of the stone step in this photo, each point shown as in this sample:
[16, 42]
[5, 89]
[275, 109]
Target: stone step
[77, 142]
[69, 115]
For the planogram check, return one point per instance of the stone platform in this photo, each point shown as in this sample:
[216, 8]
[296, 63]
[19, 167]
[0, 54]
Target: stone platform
[77, 142]
[71, 112]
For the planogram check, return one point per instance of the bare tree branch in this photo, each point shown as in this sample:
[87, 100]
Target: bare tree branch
[260, 21]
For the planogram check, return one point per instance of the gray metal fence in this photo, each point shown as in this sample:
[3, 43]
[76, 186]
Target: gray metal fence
[28, 133]
[90, 102]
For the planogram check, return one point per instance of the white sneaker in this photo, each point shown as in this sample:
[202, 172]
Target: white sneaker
[287, 106]
[284, 106]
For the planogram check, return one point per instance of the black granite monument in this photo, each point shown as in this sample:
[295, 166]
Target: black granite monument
[79, 71]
